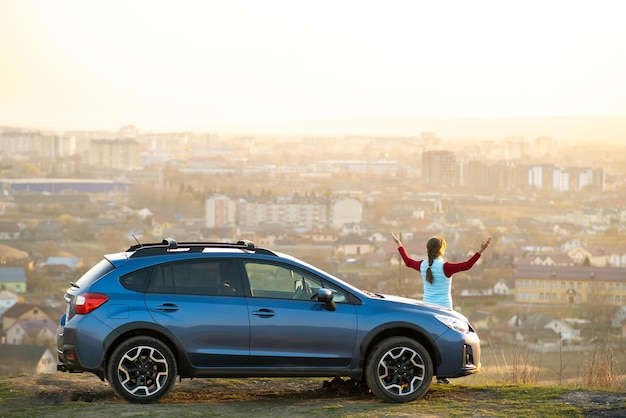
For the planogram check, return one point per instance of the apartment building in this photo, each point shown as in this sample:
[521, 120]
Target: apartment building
[219, 211]
[567, 179]
[118, 154]
[286, 211]
[440, 168]
[568, 285]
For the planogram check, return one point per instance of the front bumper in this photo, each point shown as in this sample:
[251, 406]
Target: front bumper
[460, 357]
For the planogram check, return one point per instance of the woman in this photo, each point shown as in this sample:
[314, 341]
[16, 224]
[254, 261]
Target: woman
[437, 273]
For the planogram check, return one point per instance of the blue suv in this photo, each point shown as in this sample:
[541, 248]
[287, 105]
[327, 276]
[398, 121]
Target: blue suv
[140, 318]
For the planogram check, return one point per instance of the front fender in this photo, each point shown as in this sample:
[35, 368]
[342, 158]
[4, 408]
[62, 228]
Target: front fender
[398, 328]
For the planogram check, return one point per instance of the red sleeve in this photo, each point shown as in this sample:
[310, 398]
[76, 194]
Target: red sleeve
[450, 268]
[414, 264]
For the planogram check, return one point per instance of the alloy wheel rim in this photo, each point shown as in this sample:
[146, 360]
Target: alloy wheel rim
[142, 371]
[401, 371]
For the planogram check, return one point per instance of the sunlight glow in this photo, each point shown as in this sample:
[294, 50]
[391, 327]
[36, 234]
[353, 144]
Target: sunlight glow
[196, 64]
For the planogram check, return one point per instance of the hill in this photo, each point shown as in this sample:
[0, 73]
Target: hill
[62, 395]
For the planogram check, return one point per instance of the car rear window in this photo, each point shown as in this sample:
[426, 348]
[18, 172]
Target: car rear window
[94, 273]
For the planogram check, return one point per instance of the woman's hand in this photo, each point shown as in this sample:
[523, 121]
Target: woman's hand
[484, 245]
[396, 239]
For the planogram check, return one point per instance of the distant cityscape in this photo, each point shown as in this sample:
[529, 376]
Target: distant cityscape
[556, 211]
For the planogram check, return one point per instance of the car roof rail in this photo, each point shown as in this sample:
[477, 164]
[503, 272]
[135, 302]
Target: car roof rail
[171, 245]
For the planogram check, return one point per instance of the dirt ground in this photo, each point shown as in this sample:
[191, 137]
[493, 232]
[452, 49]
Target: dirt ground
[76, 394]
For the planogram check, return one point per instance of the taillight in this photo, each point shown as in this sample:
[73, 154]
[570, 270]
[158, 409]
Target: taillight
[88, 302]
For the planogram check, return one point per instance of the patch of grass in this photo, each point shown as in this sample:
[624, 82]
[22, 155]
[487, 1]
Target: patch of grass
[12, 402]
[498, 401]
[243, 398]
[522, 371]
[7, 393]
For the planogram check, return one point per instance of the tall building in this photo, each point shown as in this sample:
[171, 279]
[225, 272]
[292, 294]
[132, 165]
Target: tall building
[568, 179]
[540, 176]
[588, 178]
[561, 180]
[219, 211]
[440, 168]
[492, 177]
[36, 145]
[119, 154]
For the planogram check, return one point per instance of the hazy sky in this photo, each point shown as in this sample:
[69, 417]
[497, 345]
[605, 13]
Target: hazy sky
[91, 64]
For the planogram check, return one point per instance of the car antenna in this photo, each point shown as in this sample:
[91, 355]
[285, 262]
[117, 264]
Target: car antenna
[140, 244]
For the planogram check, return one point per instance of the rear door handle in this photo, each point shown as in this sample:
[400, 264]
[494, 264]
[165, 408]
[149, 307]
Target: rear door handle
[167, 307]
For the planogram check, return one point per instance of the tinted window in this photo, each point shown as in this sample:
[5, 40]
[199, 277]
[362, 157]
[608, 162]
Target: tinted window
[200, 277]
[137, 280]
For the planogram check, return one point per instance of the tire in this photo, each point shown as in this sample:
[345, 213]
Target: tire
[399, 370]
[141, 369]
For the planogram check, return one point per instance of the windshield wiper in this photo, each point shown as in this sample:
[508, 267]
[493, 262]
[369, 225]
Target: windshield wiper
[74, 285]
[378, 295]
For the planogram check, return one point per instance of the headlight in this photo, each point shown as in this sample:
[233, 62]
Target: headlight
[453, 323]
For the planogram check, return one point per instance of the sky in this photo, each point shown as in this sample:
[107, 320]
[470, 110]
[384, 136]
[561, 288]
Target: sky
[170, 65]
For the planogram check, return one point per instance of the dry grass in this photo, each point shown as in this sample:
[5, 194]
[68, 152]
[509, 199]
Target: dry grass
[601, 372]
[604, 368]
[66, 395]
[550, 384]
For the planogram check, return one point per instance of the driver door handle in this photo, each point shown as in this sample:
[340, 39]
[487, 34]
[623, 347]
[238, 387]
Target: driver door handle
[264, 313]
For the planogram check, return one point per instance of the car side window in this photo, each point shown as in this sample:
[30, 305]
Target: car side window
[136, 280]
[284, 282]
[201, 277]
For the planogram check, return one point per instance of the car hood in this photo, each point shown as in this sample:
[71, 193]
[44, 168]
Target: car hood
[436, 309]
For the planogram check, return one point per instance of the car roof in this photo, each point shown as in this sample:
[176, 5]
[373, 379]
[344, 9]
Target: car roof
[171, 246]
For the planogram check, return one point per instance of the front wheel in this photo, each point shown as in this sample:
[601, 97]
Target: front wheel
[141, 369]
[398, 370]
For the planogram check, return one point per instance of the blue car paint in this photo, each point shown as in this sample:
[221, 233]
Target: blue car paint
[251, 336]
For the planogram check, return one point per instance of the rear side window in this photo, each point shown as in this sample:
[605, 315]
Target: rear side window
[197, 277]
[137, 280]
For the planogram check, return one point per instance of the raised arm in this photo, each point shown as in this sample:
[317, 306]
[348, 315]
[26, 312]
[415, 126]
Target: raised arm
[396, 239]
[484, 245]
[451, 268]
[408, 261]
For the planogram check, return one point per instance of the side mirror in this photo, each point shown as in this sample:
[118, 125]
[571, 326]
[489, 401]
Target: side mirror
[326, 296]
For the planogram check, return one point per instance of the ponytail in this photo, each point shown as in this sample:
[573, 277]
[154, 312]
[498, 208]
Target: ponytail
[429, 273]
[435, 248]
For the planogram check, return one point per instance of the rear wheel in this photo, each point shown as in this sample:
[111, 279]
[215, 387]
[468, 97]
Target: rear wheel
[141, 369]
[398, 370]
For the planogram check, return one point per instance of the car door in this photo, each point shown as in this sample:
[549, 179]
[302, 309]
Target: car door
[288, 328]
[202, 304]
